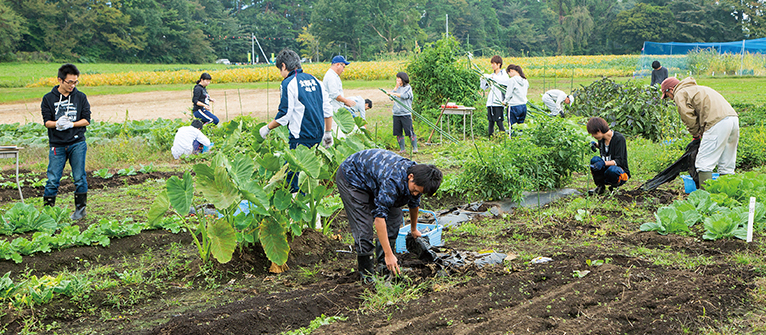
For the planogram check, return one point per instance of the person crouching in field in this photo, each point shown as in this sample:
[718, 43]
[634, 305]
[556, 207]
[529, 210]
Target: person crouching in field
[189, 140]
[611, 166]
[374, 184]
[66, 114]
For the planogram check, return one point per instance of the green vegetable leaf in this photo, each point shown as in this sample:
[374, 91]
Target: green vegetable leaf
[274, 241]
[217, 186]
[223, 240]
[180, 193]
[344, 120]
[160, 205]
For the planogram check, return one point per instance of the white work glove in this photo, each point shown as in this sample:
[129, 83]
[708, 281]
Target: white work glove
[486, 75]
[327, 139]
[63, 123]
[264, 131]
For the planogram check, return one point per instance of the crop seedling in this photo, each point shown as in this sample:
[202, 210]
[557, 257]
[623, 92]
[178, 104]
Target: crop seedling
[127, 172]
[147, 168]
[103, 173]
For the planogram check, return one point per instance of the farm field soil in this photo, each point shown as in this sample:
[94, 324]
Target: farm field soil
[173, 104]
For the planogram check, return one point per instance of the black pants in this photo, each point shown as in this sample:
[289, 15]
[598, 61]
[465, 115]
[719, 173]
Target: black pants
[495, 116]
[359, 205]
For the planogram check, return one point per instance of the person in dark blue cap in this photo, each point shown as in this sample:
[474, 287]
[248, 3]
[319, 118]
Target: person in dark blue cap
[611, 166]
[334, 86]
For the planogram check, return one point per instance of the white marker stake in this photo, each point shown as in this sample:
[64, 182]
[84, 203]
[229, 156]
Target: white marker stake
[750, 219]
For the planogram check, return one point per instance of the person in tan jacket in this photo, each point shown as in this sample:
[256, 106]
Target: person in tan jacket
[710, 119]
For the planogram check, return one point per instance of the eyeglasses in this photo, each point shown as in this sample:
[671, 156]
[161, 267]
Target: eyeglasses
[71, 82]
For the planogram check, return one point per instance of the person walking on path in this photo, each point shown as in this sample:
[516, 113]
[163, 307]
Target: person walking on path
[202, 109]
[555, 99]
[516, 95]
[610, 167]
[374, 184]
[304, 108]
[402, 116]
[189, 140]
[659, 73]
[66, 114]
[710, 119]
[495, 97]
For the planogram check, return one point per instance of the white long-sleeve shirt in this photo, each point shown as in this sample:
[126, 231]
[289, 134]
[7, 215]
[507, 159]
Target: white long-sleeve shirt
[334, 87]
[495, 96]
[185, 136]
[516, 93]
[554, 100]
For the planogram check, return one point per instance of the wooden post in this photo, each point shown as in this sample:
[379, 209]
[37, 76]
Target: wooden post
[437, 122]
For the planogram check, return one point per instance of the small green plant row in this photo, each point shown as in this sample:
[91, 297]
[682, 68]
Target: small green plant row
[719, 220]
[38, 291]
[105, 174]
[25, 179]
[22, 218]
[70, 236]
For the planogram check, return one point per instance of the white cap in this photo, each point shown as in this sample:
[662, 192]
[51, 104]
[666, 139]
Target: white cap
[571, 99]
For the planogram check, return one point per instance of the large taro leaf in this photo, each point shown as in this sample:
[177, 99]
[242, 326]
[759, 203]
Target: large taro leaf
[223, 240]
[282, 199]
[269, 162]
[274, 240]
[180, 193]
[159, 207]
[258, 198]
[277, 179]
[241, 170]
[303, 159]
[344, 120]
[216, 186]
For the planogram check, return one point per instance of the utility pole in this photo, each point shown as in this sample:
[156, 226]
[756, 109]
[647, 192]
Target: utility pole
[252, 47]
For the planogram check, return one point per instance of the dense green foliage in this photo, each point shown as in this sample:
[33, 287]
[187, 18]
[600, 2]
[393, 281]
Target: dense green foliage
[632, 109]
[186, 31]
[542, 157]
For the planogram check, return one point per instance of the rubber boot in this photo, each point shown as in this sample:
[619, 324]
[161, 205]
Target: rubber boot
[400, 139]
[49, 201]
[366, 267]
[80, 201]
[704, 175]
[414, 145]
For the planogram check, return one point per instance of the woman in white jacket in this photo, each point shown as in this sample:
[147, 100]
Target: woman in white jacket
[495, 97]
[516, 95]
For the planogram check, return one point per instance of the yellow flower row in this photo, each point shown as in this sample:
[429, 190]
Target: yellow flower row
[558, 66]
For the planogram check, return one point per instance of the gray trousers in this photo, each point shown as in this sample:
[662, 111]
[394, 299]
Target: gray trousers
[359, 205]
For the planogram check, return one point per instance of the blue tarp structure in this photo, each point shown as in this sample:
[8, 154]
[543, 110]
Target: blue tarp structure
[675, 48]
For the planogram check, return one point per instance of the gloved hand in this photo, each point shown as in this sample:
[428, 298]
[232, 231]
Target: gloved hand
[327, 139]
[264, 131]
[594, 146]
[486, 75]
[63, 123]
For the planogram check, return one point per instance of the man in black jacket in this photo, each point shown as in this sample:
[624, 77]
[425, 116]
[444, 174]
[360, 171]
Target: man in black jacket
[611, 166]
[659, 73]
[66, 114]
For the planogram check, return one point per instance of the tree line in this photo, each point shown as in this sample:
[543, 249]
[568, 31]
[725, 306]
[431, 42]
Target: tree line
[200, 31]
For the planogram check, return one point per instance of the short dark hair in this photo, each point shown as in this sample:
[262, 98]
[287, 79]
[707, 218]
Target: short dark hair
[517, 69]
[204, 76]
[426, 175]
[597, 124]
[68, 69]
[368, 102]
[656, 65]
[289, 58]
[497, 60]
[404, 77]
[197, 123]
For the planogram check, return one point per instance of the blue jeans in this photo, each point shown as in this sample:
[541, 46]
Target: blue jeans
[57, 157]
[206, 116]
[606, 175]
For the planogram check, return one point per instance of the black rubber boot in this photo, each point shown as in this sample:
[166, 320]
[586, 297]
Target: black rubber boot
[366, 267]
[80, 201]
[49, 201]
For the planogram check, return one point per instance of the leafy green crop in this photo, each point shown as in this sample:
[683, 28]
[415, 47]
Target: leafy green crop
[127, 172]
[22, 218]
[103, 173]
[730, 223]
[671, 220]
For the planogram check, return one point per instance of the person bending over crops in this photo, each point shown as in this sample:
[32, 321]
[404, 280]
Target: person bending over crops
[189, 140]
[555, 99]
[202, 109]
[374, 184]
[496, 96]
[402, 116]
[516, 95]
[711, 120]
[611, 166]
[66, 114]
[304, 108]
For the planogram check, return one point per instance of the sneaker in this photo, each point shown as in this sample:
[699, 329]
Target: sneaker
[599, 190]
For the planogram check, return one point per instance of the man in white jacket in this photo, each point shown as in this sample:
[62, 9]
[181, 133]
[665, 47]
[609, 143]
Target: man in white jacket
[554, 100]
[189, 140]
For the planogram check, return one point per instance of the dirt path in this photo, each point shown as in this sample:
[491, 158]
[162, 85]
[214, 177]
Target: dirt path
[173, 104]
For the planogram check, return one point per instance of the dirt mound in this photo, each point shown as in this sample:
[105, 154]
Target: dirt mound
[689, 244]
[656, 196]
[67, 185]
[626, 296]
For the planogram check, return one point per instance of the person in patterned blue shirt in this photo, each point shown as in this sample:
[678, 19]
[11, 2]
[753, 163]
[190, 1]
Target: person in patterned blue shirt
[374, 184]
[304, 108]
